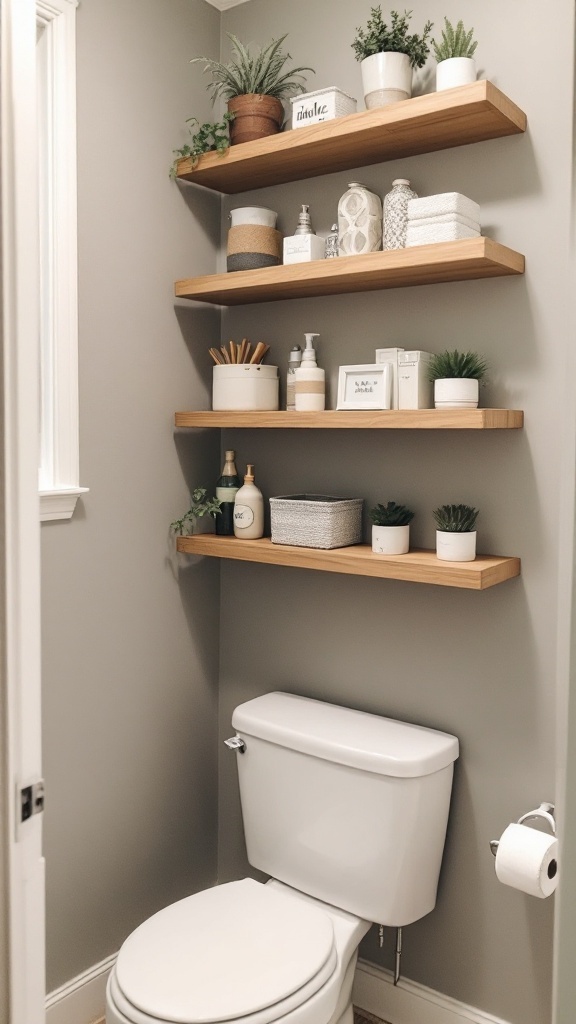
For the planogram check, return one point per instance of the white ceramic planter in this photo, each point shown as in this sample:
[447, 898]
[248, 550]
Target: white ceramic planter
[253, 215]
[390, 540]
[386, 78]
[456, 393]
[456, 547]
[454, 72]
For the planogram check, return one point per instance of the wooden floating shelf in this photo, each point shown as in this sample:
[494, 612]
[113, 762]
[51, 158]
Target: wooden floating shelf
[465, 260]
[415, 567]
[424, 124]
[360, 419]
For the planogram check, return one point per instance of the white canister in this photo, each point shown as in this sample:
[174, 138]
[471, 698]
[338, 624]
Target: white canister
[456, 393]
[391, 540]
[253, 215]
[455, 547]
[455, 71]
[243, 386]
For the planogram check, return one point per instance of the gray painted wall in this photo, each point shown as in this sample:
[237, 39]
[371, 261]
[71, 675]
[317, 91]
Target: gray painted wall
[130, 649]
[479, 665]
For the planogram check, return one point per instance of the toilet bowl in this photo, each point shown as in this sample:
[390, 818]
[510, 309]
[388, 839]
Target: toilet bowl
[194, 962]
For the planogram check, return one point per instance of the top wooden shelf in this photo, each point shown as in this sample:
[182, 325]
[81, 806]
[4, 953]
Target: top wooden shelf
[424, 124]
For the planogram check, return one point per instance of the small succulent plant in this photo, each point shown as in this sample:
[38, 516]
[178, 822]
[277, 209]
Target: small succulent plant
[456, 518]
[455, 42]
[447, 365]
[391, 515]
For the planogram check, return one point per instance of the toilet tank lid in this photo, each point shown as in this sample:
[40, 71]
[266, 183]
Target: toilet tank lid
[354, 738]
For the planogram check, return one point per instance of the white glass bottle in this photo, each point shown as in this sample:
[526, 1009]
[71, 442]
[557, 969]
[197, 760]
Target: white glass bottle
[359, 221]
[396, 214]
[249, 509]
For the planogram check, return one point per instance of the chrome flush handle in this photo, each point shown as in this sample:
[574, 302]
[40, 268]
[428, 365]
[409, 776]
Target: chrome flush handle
[235, 743]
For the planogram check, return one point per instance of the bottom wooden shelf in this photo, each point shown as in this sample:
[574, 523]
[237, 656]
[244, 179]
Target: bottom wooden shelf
[417, 566]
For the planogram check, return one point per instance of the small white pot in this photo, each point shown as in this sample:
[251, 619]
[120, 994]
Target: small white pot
[456, 547]
[253, 215]
[390, 540]
[454, 72]
[456, 393]
[386, 78]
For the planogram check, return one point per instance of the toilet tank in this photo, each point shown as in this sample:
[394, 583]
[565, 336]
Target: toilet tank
[346, 806]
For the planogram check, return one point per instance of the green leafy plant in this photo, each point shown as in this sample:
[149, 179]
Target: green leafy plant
[263, 73]
[391, 515]
[200, 506]
[446, 365]
[377, 37]
[456, 518]
[455, 42]
[211, 136]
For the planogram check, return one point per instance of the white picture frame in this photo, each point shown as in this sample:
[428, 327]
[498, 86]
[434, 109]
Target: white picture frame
[364, 386]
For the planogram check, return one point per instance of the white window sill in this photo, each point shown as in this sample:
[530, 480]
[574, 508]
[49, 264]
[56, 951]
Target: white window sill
[59, 504]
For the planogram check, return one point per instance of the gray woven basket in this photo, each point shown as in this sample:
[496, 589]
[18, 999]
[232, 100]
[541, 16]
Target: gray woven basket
[316, 520]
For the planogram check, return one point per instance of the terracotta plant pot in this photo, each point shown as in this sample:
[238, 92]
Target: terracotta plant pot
[256, 117]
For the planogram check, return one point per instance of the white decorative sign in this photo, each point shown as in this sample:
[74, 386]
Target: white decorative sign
[365, 386]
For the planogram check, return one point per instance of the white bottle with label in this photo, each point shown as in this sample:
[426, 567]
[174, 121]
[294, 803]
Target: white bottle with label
[310, 385]
[249, 509]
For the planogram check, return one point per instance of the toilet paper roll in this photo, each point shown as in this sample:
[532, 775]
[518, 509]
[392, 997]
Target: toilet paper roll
[526, 859]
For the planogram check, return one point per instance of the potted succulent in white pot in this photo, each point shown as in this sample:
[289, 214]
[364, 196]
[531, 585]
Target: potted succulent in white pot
[456, 377]
[391, 528]
[455, 534]
[455, 56]
[254, 85]
[388, 55]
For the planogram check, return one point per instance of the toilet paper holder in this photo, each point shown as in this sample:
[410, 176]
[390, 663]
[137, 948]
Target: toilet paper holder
[545, 811]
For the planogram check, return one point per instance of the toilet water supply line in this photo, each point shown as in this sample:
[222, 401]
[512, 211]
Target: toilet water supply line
[397, 950]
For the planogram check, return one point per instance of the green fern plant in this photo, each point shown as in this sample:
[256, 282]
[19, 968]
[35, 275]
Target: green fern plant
[200, 506]
[377, 37]
[456, 518]
[446, 365]
[263, 73]
[455, 42]
[209, 137]
[391, 515]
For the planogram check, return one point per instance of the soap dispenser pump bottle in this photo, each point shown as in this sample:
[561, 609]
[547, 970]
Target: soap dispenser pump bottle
[249, 509]
[310, 383]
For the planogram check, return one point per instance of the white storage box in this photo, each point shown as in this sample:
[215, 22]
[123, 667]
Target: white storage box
[321, 105]
[316, 520]
[242, 386]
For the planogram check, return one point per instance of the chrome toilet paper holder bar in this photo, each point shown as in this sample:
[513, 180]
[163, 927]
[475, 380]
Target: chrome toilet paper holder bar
[545, 811]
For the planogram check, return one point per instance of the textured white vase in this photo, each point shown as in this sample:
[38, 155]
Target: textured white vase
[359, 221]
[456, 547]
[390, 540]
[456, 393]
[396, 214]
[386, 78]
[455, 71]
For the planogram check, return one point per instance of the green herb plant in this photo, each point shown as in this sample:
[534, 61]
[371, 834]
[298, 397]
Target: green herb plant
[200, 506]
[262, 73]
[209, 137]
[391, 515]
[455, 42]
[456, 518]
[378, 37]
[447, 365]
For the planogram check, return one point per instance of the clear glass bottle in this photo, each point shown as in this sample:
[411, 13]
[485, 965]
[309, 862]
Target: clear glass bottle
[359, 221]
[226, 490]
[396, 214]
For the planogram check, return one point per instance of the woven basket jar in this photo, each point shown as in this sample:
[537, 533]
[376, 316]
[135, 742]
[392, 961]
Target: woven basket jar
[251, 246]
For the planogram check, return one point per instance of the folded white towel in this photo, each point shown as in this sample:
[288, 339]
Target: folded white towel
[439, 233]
[444, 202]
[444, 218]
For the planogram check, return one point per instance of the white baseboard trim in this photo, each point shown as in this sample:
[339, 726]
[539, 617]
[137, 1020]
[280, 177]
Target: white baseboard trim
[408, 1002]
[83, 999]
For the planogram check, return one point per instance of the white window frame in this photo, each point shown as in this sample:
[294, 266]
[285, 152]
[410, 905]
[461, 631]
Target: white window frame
[59, 473]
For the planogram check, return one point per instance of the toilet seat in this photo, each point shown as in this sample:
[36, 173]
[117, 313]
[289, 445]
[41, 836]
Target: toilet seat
[275, 952]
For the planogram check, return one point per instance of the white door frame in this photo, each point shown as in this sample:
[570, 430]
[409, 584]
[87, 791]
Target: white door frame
[19, 519]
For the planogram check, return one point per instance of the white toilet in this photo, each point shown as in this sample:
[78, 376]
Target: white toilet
[347, 813]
